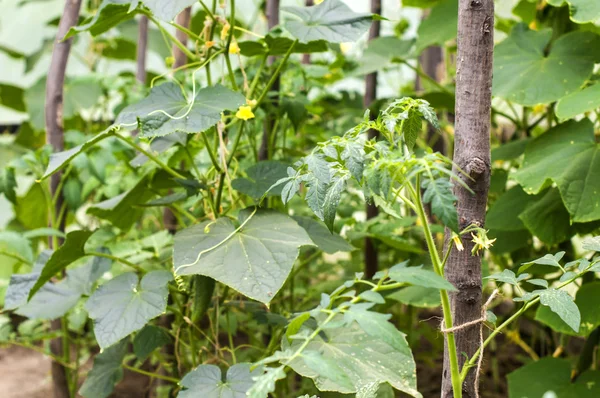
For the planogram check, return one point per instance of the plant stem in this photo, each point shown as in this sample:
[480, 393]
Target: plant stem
[117, 259]
[186, 31]
[150, 156]
[150, 374]
[425, 76]
[209, 149]
[276, 73]
[15, 256]
[165, 32]
[437, 265]
[229, 39]
[43, 352]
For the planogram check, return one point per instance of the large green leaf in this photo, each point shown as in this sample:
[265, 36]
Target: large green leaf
[70, 251]
[123, 210]
[106, 372]
[579, 102]
[166, 110]
[332, 20]
[503, 215]
[260, 177]
[568, 156]
[551, 377]
[417, 296]
[60, 159]
[382, 51]
[123, 305]
[8, 183]
[362, 358]
[255, 259]
[586, 299]
[206, 381]
[149, 339]
[418, 276]
[522, 68]
[440, 26]
[582, 11]
[327, 241]
[561, 303]
[12, 97]
[438, 193]
[547, 218]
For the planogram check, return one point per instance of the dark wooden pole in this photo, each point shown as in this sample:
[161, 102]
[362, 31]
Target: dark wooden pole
[306, 57]
[471, 154]
[272, 12]
[142, 49]
[55, 137]
[371, 259]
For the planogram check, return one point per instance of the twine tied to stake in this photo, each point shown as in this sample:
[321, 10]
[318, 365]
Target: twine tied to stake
[465, 325]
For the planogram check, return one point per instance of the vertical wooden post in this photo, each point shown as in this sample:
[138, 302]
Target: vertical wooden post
[371, 258]
[142, 49]
[472, 155]
[272, 12]
[55, 136]
[306, 57]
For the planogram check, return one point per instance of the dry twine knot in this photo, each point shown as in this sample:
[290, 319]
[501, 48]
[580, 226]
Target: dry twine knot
[465, 325]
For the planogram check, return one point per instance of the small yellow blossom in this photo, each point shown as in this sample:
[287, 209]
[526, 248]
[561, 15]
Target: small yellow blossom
[533, 25]
[449, 129]
[251, 102]
[244, 113]
[458, 242]
[481, 241]
[539, 109]
[345, 47]
[234, 48]
[209, 44]
[318, 2]
[225, 31]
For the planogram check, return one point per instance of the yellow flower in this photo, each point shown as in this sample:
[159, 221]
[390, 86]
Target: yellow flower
[533, 25]
[209, 44]
[539, 109]
[481, 241]
[345, 47]
[449, 129]
[225, 31]
[234, 48]
[244, 113]
[250, 102]
[318, 2]
[458, 242]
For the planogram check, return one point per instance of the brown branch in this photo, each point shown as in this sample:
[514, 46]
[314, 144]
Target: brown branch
[142, 49]
[471, 153]
[371, 258]
[55, 137]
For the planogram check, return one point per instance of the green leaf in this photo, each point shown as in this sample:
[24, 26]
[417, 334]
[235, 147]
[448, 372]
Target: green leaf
[544, 163]
[260, 178]
[295, 324]
[332, 200]
[327, 241]
[12, 97]
[537, 378]
[109, 14]
[206, 381]
[504, 213]
[507, 276]
[363, 358]
[417, 296]
[561, 303]
[582, 11]
[255, 259]
[549, 259]
[438, 193]
[265, 384]
[16, 247]
[106, 372]
[510, 150]
[548, 219]
[331, 20]
[166, 10]
[149, 339]
[160, 145]
[70, 251]
[418, 276]
[8, 183]
[579, 102]
[327, 368]
[382, 51]
[31, 210]
[20, 284]
[592, 244]
[165, 110]
[522, 68]
[373, 297]
[60, 159]
[120, 307]
[440, 26]
[411, 127]
[377, 325]
[123, 210]
[586, 300]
